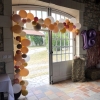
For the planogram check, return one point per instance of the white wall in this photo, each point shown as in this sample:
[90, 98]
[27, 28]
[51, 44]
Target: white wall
[6, 23]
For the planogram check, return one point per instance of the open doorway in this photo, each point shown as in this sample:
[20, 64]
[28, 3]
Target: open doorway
[38, 65]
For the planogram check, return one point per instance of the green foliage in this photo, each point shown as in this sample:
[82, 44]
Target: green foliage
[58, 40]
[38, 40]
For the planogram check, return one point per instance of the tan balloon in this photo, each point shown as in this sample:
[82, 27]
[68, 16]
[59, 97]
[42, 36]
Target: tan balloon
[22, 34]
[30, 16]
[17, 57]
[47, 21]
[25, 42]
[24, 50]
[24, 72]
[22, 61]
[23, 87]
[43, 26]
[55, 29]
[23, 13]
[16, 29]
[51, 27]
[21, 67]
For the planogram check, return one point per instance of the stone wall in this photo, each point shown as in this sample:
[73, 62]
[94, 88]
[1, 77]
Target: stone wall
[91, 14]
[6, 36]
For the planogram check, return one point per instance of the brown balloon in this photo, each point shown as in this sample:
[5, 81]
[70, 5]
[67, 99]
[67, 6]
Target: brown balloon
[18, 38]
[23, 13]
[24, 55]
[24, 50]
[18, 52]
[19, 46]
[16, 29]
[37, 27]
[16, 18]
[25, 42]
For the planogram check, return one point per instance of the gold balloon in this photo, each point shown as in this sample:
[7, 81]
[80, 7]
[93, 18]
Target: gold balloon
[23, 87]
[23, 38]
[22, 82]
[23, 13]
[24, 92]
[47, 21]
[24, 72]
[56, 29]
[16, 18]
[34, 23]
[16, 29]
[63, 30]
[24, 50]
[30, 16]
[25, 64]
[51, 27]
[25, 42]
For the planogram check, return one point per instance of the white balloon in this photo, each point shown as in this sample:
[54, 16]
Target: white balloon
[27, 58]
[51, 18]
[16, 88]
[60, 26]
[22, 34]
[26, 82]
[73, 20]
[40, 21]
[78, 25]
[62, 20]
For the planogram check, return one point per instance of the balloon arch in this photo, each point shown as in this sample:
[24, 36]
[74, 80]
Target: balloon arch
[21, 43]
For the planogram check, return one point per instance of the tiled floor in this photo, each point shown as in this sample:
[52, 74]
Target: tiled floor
[66, 90]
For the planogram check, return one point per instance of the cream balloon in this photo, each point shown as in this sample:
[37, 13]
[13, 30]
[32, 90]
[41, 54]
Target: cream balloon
[21, 23]
[23, 34]
[41, 21]
[51, 18]
[15, 42]
[73, 20]
[78, 25]
[60, 26]
[26, 82]
[16, 88]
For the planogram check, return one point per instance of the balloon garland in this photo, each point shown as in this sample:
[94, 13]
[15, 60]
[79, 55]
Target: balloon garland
[21, 43]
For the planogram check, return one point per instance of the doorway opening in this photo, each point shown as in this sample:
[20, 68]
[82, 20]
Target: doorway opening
[38, 65]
